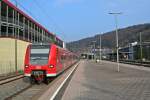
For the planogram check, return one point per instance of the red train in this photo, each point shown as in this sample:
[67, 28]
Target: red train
[44, 61]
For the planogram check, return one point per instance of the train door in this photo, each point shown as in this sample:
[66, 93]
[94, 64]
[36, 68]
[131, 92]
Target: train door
[59, 64]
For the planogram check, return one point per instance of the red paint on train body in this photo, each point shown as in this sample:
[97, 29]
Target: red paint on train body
[43, 61]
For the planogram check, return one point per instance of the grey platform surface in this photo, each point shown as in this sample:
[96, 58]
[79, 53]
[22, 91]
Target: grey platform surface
[101, 81]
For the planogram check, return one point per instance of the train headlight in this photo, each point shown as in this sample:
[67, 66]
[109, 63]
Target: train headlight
[26, 66]
[51, 66]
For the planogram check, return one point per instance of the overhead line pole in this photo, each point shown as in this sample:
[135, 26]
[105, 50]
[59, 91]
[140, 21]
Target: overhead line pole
[141, 50]
[100, 48]
[94, 48]
[16, 36]
[115, 15]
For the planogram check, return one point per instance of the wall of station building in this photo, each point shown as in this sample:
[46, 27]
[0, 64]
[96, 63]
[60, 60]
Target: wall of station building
[7, 54]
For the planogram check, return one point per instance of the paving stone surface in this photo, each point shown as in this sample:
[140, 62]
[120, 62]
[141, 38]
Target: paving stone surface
[101, 81]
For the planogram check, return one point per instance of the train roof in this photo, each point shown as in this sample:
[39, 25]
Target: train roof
[66, 50]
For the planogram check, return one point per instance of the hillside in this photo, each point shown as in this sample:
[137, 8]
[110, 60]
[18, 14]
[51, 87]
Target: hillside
[126, 35]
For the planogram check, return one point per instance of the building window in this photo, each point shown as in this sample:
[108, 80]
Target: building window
[3, 30]
[21, 33]
[10, 15]
[10, 31]
[3, 11]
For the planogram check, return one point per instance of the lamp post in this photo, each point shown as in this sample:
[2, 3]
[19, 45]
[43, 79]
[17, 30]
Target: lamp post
[94, 48]
[141, 50]
[115, 15]
[100, 51]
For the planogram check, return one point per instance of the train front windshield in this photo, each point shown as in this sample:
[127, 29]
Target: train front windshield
[39, 54]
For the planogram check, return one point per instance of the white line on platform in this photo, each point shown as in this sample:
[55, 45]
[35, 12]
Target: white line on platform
[58, 89]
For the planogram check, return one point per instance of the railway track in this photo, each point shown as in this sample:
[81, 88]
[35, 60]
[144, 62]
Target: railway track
[27, 93]
[15, 88]
[12, 86]
[19, 92]
[30, 91]
[34, 91]
[10, 79]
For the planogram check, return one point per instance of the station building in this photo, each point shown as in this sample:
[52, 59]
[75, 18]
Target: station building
[17, 30]
[133, 52]
[89, 56]
[136, 52]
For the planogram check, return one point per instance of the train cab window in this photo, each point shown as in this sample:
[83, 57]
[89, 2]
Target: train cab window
[39, 54]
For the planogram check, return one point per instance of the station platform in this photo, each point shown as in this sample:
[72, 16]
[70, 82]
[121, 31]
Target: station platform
[101, 81]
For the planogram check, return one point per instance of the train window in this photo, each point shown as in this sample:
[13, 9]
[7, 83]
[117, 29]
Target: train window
[39, 54]
[57, 52]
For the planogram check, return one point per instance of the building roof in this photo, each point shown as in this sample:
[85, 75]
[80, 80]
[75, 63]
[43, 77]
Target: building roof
[25, 15]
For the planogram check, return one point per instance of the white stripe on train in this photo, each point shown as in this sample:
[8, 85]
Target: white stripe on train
[48, 75]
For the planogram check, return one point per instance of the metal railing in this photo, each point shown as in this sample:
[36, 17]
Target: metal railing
[11, 20]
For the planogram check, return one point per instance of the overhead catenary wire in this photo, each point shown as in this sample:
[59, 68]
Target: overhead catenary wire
[44, 13]
[26, 10]
[50, 17]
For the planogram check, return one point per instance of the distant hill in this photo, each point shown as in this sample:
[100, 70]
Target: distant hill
[126, 35]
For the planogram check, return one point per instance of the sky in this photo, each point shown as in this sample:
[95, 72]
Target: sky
[73, 20]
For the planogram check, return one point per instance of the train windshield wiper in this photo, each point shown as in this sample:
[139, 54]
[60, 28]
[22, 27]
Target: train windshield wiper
[36, 58]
